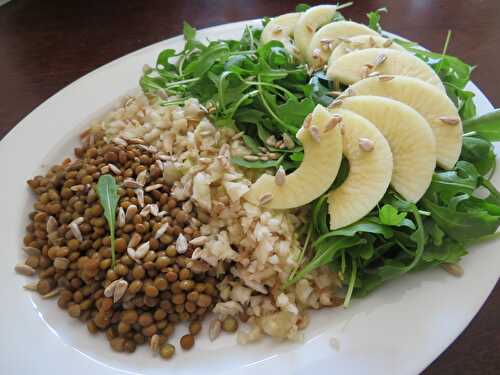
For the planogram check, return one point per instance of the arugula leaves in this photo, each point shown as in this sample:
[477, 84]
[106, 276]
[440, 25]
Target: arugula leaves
[107, 190]
[262, 90]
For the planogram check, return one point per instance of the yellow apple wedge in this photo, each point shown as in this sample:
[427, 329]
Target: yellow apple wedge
[281, 28]
[434, 105]
[329, 36]
[370, 170]
[360, 64]
[322, 156]
[362, 42]
[410, 138]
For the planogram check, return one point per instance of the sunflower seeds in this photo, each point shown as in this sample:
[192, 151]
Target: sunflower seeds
[214, 329]
[110, 289]
[251, 157]
[288, 141]
[315, 134]
[387, 43]
[32, 251]
[24, 269]
[31, 286]
[142, 250]
[453, 269]
[61, 263]
[121, 217]
[131, 212]
[335, 103]
[161, 230]
[146, 211]
[280, 176]
[105, 170]
[277, 30]
[364, 71]
[131, 184]
[140, 196]
[119, 141]
[265, 198]
[334, 121]
[77, 188]
[154, 209]
[199, 241]
[316, 53]
[51, 224]
[73, 226]
[379, 60]
[142, 178]
[120, 290]
[187, 207]
[181, 244]
[154, 344]
[385, 78]
[450, 120]
[366, 144]
[271, 140]
[134, 240]
[113, 168]
[51, 294]
[131, 254]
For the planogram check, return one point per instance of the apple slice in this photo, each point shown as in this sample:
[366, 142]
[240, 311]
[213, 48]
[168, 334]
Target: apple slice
[316, 172]
[434, 105]
[361, 64]
[329, 36]
[362, 42]
[410, 138]
[281, 28]
[370, 170]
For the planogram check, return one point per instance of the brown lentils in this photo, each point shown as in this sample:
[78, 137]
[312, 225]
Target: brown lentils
[162, 291]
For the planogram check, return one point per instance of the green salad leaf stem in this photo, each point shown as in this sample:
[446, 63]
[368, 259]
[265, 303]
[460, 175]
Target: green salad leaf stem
[107, 190]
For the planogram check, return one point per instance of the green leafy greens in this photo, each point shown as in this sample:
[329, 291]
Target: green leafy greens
[265, 92]
[107, 190]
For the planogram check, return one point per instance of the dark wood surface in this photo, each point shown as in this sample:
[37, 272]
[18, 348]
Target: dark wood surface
[45, 45]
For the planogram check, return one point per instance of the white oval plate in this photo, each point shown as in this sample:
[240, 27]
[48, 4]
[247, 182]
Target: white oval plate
[399, 329]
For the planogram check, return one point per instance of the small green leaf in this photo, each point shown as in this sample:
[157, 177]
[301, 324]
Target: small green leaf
[107, 190]
[389, 215]
[188, 31]
[486, 126]
[302, 7]
[374, 19]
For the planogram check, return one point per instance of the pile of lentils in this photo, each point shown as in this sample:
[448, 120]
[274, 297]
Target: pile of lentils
[141, 299]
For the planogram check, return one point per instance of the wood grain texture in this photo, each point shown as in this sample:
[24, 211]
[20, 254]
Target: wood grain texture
[45, 45]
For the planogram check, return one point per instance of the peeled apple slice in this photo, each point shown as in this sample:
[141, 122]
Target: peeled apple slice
[434, 105]
[353, 67]
[370, 170]
[314, 175]
[410, 139]
[309, 22]
[281, 28]
[362, 42]
[329, 36]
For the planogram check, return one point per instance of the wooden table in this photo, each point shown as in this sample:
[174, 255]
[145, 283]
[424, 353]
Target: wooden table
[46, 45]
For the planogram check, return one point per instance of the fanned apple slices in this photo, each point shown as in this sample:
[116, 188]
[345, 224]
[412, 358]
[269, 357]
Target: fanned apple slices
[370, 170]
[281, 28]
[363, 42]
[410, 139]
[322, 156]
[434, 105]
[364, 63]
[309, 22]
[329, 36]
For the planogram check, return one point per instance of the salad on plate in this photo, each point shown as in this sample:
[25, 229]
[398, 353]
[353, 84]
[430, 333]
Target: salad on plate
[253, 181]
